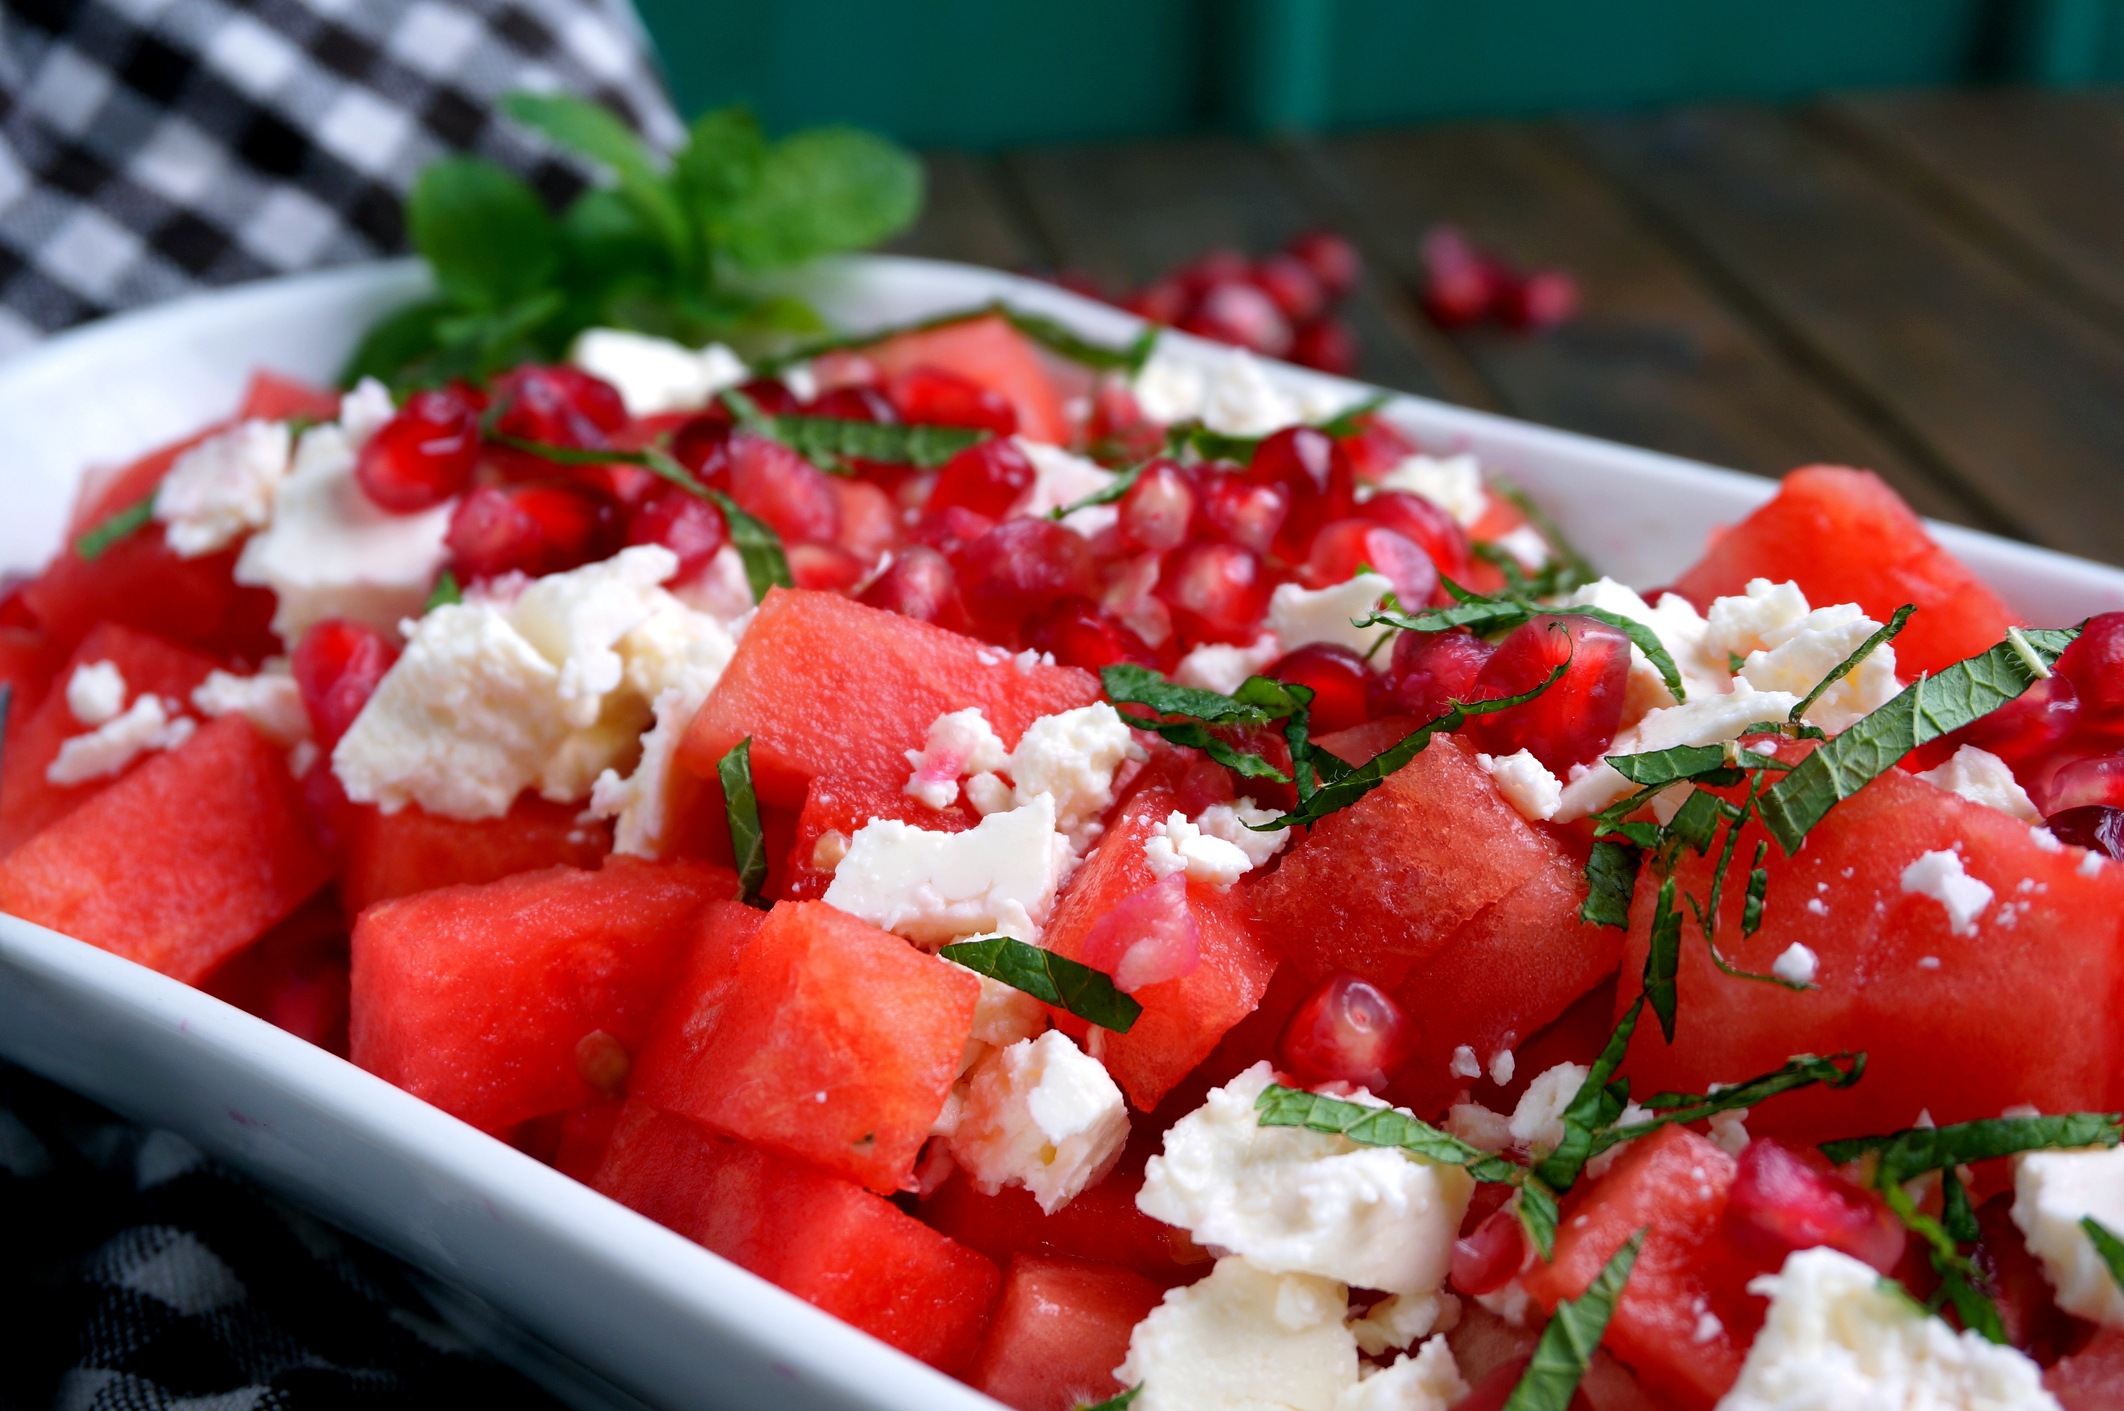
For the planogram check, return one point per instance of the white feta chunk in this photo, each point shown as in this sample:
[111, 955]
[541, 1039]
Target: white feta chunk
[95, 693]
[222, 488]
[1701, 720]
[575, 620]
[1526, 784]
[1243, 1339]
[1939, 875]
[1004, 1014]
[1786, 646]
[1223, 668]
[1453, 483]
[1835, 1340]
[1041, 1114]
[363, 411]
[270, 700]
[1796, 964]
[1537, 1122]
[1234, 822]
[1302, 616]
[1429, 1381]
[151, 724]
[2052, 1192]
[1982, 777]
[1226, 389]
[959, 743]
[1176, 845]
[1526, 545]
[655, 375]
[1399, 1319]
[1071, 757]
[1062, 478]
[998, 876]
[1298, 1201]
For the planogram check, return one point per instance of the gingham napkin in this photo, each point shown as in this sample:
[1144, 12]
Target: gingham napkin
[148, 147]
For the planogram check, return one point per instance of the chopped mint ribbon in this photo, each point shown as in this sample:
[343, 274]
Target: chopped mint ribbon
[1572, 1336]
[741, 806]
[1089, 994]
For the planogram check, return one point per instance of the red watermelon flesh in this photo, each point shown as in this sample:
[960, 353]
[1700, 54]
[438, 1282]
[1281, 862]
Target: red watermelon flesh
[476, 998]
[1060, 1328]
[586, 1135]
[826, 1240]
[831, 806]
[397, 854]
[826, 686]
[150, 665]
[836, 1044]
[995, 355]
[1845, 537]
[1945, 1020]
[1672, 1184]
[180, 864]
[26, 666]
[2091, 1379]
[687, 1018]
[273, 397]
[296, 976]
[1101, 1223]
[1182, 1019]
[139, 582]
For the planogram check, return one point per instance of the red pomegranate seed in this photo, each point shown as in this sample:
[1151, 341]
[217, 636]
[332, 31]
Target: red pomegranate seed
[987, 478]
[1784, 1199]
[2094, 664]
[1333, 260]
[1159, 507]
[825, 566]
[702, 445]
[1165, 301]
[794, 497]
[2017, 1284]
[422, 456]
[534, 529]
[1343, 689]
[1346, 1031]
[950, 530]
[1573, 720]
[1292, 286]
[1019, 567]
[1376, 447]
[2097, 827]
[1239, 314]
[769, 395]
[851, 404]
[2082, 783]
[1078, 633]
[1461, 287]
[844, 368]
[1489, 1256]
[1220, 266]
[559, 405]
[1541, 300]
[1217, 592]
[1347, 545]
[1308, 464]
[870, 522]
[1327, 344]
[2025, 732]
[337, 666]
[918, 583]
[685, 524]
[1147, 938]
[1244, 513]
[1438, 533]
[1431, 670]
[931, 396]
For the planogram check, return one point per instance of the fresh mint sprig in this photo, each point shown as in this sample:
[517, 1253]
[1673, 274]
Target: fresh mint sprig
[741, 808]
[1066, 984]
[1573, 1333]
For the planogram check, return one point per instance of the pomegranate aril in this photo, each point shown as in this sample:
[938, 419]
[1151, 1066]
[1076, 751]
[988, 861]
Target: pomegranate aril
[337, 666]
[422, 456]
[558, 405]
[933, 397]
[1341, 549]
[702, 445]
[1574, 719]
[2096, 827]
[1159, 507]
[1489, 1256]
[1375, 447]
[1244, 513]
[1165, 301]
[1784, 1200]
[918, 583]
[1436, 532]
[534, 529]
[685, 524]
[1239, 314]
[1346, 1031]
[1019, 567]
[2018, 1286]
[950, 530]
[1538, 301]
[824, 566]
[790, 494]
[1333, 260]
[987, 478]
[2081, 783]
[1220, 266]
[870, 522]
[1461, 287]
[1077, 633]
[769, 395]
[1147, 938]
[1342, 685]
[2094, 664]
[1292, 286]
[1325, 344]
[1311, 468]
[1431, 670]
[851, 404]
[1217, 592]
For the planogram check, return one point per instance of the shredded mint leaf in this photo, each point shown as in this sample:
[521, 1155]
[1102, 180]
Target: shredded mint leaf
[742, 807]
[1801, 1071]
[1850, 663]
[1611, 881]
[1115, 1403]
[125, 523]
[1538, 1216]
[1052, 979]
[1929, 708]
[1481, 616]
[1663, 958]
[1758, 886]
[2099, 1235]
[1060, 340]
[1642, 637]
[1572, 1335]
[1600, 1099]
[1346, 422]
[445, 593]
[759, 547]
[1912, 1152]
[1695, 823]
[1366, 1125]
[1260, 701]
[1114, 489]
[1670, 766]
[1574, 569]
[1957, 1216]
[831, 442]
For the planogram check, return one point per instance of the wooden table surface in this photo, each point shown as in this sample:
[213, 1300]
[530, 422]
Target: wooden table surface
[1931, 285]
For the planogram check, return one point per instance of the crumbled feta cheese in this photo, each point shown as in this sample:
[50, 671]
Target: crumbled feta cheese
[150, 725]
[1749, 621]
[1302, 616]
[1729, 1130]
[960, 743]
[1465, 1064]
[999, 876]
[330, 551]
[1939, 875]
[1700, 720]
[1298, 1201]
[1005, 1014]
[1835, 1340]
[1041, 1114]
[1982, 777]
[654, 375]
[95, 693]
[1503, 1064]
[1526, 545]
[1071, 757]
[1177, 845]
[1227, 390]
[1785, 646]
[1429, 1381]
[363, 411]
[1243, 1339]
[1234, 822]
[1169, 389]
[1223, 668]
[1680, 630]
[673, 661]
[1537, 1122]
[802, 381]
[1399, 1319]
[2042, 837]
[1059, 479]
[1477, 1125]
[1453, 483]
[1796, 963]
[989, 794]
[575, 620]
[2091, 862]
[1526, 784]
[222, 488]
[270, 700]
[2052, 1192]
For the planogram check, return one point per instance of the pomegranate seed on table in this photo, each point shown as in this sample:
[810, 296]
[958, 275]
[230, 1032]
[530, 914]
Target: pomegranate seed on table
[1437, 533]
[1217, 592]
[1326, 345]
[1078, 633]
[559, 405]
[534, 529]
[1346, 1031]
[1333, 260]
[1163, 301]
[1159, 507]
[918, 583]
[2097, 827]
[1020, 566]
[1573, 720]
[685, 524]
[1308, 464]
[1242, 512]
[851, 404]
[422, 456]
[1147, 938]
[1538, 301]
[1489, 1256]
[934, 397]
[1292, 286]
[1239, 314]
[1347, 545]
[789, 494]
[1214, 267]
[1431, 670]
[1342, 685]
[1784, 1200]
[337, 666]
[987, 478]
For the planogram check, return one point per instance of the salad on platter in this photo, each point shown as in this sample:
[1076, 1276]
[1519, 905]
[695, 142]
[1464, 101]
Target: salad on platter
[1129, 882]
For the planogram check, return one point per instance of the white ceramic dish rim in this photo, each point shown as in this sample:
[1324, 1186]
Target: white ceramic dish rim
[613, 1292]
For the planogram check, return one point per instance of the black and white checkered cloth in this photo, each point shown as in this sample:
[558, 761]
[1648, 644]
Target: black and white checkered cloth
[148, 147]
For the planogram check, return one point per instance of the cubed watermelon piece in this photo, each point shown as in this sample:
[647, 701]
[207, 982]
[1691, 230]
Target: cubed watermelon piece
[1101, 1223]
[1060, 1328]
[477, 998]
[688, 1014]
[2091, 1379]
[832, 806]
[1182, 1019]
[828, 1241]
[586, 1135]
[397, 854]
[296, 976]
[27, 663]
[151, 666]
[836, 1044]
[826, 686]
[182, 863]
[274, 397]
[1673, 1185]
[1945, 1019]
[995, 355]
[1845, 537]
[139, 582]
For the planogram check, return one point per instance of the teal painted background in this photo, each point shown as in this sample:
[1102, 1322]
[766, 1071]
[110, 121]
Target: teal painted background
[993, 73]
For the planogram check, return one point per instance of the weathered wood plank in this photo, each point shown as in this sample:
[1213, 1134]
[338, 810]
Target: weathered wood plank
[1654, 357]
[968, 217]
[1997, 383]
[1124, 214]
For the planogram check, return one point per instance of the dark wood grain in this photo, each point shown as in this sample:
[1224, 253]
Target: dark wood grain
[1125, 214]
[1981, 371]
[968, 217]
[1654, 358]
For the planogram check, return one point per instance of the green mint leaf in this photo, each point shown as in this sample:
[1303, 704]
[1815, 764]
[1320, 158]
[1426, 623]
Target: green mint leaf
[1209, 445]
[484, 232]
[1957, 1216]
[759, 547]
[1695, 823]
[1758, 886]
[1611, 881]
[1089, 994]
[126, 522]
[1596, 1105]
[2103, 1239]
[1912, 1152]
[1479, 615]
[1134, 685]
[819, 192]
[1641, 637]
[1059, 339]
[1663, 958]
[830, 442]
[1850, 663]
[1571, 1337]
[445, 593]
[742, 807]
[1366, 1125]
[1538, 1216]
[1974, 1307]
[394, 342]
[1115, 1403]
[1670, 766]
[593, 131]
[1106, 494]
[719, 166]
[1801, 1071]
[1347, 422]
[1929, 708]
